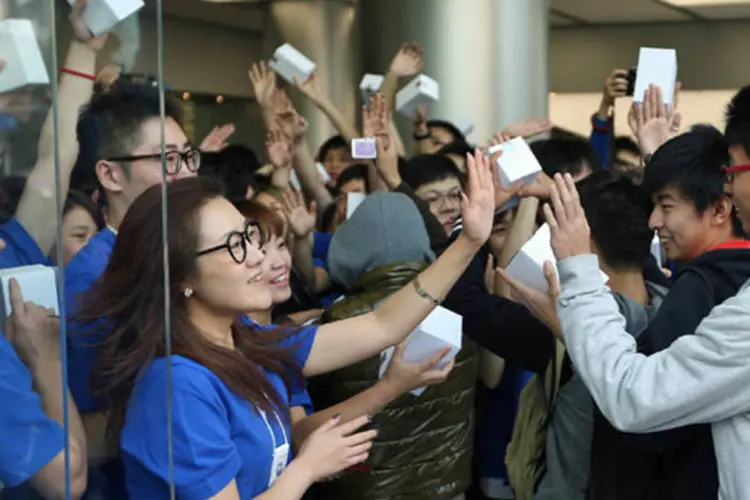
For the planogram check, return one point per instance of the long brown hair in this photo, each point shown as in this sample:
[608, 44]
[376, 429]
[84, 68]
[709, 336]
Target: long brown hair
[129, 295]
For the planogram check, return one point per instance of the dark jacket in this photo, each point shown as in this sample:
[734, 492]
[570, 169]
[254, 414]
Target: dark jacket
[424, 446]
[680, 463]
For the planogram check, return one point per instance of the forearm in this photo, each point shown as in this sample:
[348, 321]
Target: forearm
[604, 108]
[396, 138]
[344, 126]
[38, 200]
[291, 484]
[388, 89]
[521, 230]
[302, 317]
[303, 261]
[491, 368]
[376, 181]
[367, 402]
[307, 173]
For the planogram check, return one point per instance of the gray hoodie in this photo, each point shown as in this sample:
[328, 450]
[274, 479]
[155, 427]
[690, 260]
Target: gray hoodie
[700, 378]
[570, 432]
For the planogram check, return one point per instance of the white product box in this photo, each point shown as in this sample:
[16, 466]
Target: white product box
[102, 15]
[517, 163]
[369, 86]
[290, 63]
[364, 149]
[353, 201]
[440, 329]
[465, 125]
[24, 64]
[527, 266]
[38, 285]
[322, 172]
[658, 67]
[656, 250]
[422, 92]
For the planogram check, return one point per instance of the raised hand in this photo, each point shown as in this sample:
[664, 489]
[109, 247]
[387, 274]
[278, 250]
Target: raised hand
[652, 121]
[542, 304]
[478, 202]
[216, 140]
[81, 31]
[616, 85]
[404, 376]
[288, 120]
[310, 88]
[263, 80]
[408, 60]
[570, 234]
[301, 219]
[528, 127]
[33, 330]
[375, 117]
[279, 149]
[334, 447]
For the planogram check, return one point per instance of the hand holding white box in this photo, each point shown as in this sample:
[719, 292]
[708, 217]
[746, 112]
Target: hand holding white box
[102, 15]
[24, 64]
[517, 163]
[369, 86]
[290, 63]
[38, 285]
[353, 201]
[658, 67]
[440, 329]
[420, 93]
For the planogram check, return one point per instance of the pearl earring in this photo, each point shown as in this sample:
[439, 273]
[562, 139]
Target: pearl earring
[188, 292]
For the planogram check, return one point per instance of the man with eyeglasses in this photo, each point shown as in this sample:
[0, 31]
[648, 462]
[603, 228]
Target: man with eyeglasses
[126, 134]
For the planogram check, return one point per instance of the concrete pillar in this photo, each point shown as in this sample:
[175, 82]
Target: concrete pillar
[325, 31]
[489, 56]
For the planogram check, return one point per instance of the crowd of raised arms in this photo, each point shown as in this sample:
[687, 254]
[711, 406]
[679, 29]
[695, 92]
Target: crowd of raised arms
[288, 367]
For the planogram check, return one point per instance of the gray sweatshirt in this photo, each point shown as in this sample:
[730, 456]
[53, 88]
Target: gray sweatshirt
[700, 378]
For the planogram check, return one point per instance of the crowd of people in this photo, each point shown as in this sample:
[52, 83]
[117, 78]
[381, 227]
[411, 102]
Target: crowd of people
[231, 347]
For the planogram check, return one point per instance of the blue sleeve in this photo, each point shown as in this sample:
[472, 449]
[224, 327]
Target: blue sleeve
[300, 397]
[301, 342]
[30, 439]
[321, 244]
[601, 138]
[204, 455]
[20, 248]
[320, 263]
[83, 339]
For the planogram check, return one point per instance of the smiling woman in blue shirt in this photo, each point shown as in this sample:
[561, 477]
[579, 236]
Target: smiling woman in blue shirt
[230, 385]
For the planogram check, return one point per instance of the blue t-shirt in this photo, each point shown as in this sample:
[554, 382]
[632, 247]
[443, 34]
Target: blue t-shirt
[80, 274]
[217, 435]
[20, 248]
[29, 439]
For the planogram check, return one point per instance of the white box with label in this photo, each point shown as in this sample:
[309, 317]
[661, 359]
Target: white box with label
[440, 329]
[369, 86]
[656, 250]
[102, 15]
[24, 64]
[658, 67]
[365, 148]
[38, 285]
[422, 92]
[290, 63]
[517, 163]
[353, 201]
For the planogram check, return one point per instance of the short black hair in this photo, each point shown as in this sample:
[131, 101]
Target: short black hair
[234, 168]
[617, 212]
[110, 125]
[335, 142]
[737, 131]
[693, 164]
[11, 191]
[457, 134]
[458, 148]
[425, 169]
[625, 143]
[78, 199]
[565, 155]
[352, 172]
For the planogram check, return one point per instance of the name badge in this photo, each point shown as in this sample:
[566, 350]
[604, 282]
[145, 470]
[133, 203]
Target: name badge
[280, 459]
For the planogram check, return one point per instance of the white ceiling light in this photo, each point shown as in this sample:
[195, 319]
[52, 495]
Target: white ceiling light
[706, 3]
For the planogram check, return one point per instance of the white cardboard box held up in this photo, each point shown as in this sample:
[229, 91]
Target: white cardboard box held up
[440, 329]
[527, 266]
[656, 250]
[24, 64]
[422, 92]
[102, 15]
[369, 86]
[517, 163]
[38, 285]
[290, 63]
[657, 66]
[353, 201]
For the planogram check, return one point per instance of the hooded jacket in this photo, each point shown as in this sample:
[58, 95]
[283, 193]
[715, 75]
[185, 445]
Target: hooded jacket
[424, 446]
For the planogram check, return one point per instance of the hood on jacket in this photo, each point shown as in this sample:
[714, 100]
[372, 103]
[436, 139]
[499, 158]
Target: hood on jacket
[386, 228]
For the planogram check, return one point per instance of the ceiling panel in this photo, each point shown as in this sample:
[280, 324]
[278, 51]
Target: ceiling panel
[723, 12]
[629, 11]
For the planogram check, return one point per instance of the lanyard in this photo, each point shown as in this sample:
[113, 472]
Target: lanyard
[270, 430]
[112, 229]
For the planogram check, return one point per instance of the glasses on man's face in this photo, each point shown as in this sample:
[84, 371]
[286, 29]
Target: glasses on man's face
[729, 172]
[237, 242]
[175, 160]
[438, 200]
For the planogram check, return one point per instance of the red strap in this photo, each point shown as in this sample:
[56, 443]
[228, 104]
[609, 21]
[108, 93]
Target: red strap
[733, 245]
[77, 73]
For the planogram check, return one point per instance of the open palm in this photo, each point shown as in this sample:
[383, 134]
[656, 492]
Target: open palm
[478, 203]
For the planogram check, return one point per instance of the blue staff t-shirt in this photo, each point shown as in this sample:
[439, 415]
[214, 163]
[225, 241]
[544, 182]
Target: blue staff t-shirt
[80, 274]
[217, 435]
[20, 248]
